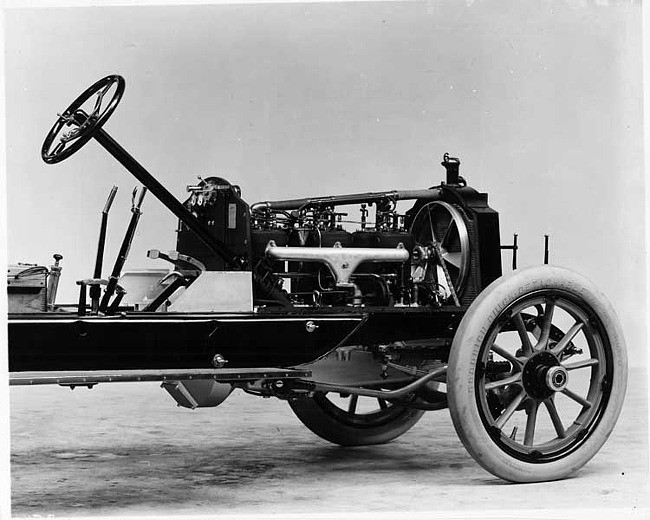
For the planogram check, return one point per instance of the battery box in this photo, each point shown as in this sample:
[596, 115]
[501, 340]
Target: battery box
[26, 288]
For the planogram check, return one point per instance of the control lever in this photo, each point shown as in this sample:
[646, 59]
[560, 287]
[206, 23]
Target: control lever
[95, 289]
[124, 249]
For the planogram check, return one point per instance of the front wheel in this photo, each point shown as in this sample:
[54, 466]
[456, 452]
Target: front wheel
[354, 420]
[537, 374]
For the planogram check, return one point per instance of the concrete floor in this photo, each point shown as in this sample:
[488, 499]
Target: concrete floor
[126, 449]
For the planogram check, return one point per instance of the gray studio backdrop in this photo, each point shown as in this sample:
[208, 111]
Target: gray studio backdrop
[541, 100]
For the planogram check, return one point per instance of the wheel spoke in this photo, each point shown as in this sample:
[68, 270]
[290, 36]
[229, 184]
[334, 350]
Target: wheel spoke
[507, 355]
[582, 364]
[555, 418]
[511, 409]
[504, 382]
[566, 339]
[523, 335]
[100, 97]
[530, 423]
[576, 398]
[546, 324]
[352, 406]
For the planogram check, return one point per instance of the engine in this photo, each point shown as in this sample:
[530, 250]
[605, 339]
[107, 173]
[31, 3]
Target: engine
[320, 262]
[353, 250]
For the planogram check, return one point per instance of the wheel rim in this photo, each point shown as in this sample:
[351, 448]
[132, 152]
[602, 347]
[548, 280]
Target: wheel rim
[443, 245]
[358, 411]
[543, 378]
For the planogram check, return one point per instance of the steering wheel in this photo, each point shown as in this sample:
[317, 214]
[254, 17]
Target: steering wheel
[62, 142]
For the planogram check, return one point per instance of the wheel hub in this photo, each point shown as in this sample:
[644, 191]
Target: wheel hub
[543, 375]
[557, 378]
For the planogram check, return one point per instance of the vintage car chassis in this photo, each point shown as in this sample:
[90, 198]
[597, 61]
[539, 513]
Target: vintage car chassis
[404, 358]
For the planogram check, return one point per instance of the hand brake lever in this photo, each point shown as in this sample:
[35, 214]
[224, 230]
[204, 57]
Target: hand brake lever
[95, 290]
[124, 249]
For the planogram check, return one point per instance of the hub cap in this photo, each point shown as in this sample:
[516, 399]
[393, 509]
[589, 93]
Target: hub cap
[557, 378]
[542, 375]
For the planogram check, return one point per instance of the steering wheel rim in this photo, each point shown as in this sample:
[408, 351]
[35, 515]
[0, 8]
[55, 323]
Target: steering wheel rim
[71, 141]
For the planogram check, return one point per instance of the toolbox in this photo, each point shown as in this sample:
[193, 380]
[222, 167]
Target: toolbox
[26, 288]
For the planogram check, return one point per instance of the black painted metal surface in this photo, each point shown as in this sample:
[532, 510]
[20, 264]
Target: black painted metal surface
[56, 342]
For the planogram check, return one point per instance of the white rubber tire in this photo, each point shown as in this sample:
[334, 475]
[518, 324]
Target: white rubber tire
[462, 371]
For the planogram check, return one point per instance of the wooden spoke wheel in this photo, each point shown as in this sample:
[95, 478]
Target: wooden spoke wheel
[537, 374]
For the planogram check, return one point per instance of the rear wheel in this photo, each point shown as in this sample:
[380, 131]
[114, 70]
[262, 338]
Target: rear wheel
[537, 374]
[354, 420]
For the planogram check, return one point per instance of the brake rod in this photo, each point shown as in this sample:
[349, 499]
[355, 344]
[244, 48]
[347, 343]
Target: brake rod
[400, 393]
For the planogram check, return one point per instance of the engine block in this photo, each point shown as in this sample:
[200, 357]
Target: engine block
[314, 252]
